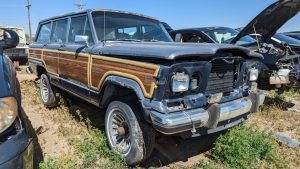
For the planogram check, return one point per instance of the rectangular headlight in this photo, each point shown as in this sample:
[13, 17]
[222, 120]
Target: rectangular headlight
[180, 82]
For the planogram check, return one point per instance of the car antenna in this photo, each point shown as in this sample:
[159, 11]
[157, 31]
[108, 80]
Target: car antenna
[256, 35]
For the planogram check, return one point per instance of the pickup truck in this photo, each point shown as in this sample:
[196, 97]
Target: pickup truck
[128, 65]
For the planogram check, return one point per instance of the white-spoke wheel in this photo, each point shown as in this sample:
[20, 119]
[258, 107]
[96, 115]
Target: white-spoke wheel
[44, 90]
[118, 131]
[127, 132]
[48, 92]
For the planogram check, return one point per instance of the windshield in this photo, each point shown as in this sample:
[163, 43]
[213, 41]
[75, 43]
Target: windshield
[287, 39]
[226, 35]
[127, 27]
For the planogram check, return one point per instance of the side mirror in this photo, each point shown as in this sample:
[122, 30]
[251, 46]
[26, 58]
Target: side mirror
[10, 39]
[178, 37]
[81, 39]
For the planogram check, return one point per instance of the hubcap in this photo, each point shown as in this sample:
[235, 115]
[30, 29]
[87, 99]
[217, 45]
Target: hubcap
[118, 132]
[44, 90]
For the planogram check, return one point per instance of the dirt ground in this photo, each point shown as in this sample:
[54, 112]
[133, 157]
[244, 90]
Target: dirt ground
[53, 127]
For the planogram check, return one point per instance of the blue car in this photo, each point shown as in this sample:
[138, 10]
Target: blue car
[16, 146]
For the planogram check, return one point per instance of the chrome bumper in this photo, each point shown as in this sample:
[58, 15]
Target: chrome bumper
[178, 122]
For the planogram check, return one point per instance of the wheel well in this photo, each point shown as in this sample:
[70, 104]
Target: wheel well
[40, 70]
[114, 92]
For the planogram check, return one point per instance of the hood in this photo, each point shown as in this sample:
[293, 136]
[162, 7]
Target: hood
[170, 51]
[271, 19]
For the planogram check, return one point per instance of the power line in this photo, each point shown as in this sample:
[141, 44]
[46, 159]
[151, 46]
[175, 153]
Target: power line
[28, 6]
[79, 5]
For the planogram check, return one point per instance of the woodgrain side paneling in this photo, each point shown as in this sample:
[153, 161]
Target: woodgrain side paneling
[92, 70]
[37, 54]
[51, 61]
[140, 72]
[74, 67]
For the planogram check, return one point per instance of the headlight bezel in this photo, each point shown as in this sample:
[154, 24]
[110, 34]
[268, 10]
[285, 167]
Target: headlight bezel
[8, 112]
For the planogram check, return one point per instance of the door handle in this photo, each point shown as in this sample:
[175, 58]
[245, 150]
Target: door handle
[60, 49]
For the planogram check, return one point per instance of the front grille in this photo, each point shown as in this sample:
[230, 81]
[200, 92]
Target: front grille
[221, 78]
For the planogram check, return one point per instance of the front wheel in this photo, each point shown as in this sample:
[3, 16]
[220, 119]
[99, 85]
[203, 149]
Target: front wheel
[47, 92]
[128, 133]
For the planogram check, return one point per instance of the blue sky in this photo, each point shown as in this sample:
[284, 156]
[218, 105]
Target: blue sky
[178, 13]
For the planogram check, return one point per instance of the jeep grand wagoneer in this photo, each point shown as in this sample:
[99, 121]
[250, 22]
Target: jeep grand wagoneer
[128, 65]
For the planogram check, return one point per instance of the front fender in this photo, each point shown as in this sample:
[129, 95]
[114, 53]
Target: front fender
[127, 83]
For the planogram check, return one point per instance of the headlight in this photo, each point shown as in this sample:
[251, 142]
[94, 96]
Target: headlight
[180, 82]
[8, 112]
[253, 74]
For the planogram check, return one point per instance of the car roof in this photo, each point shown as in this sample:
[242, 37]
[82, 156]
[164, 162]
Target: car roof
[203, 28]
[94, 10]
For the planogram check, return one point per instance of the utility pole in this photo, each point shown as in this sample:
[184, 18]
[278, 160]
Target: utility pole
[79, 5]
[29, 20]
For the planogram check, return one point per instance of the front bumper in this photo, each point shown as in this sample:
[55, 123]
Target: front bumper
[17, 152]
[179, 122]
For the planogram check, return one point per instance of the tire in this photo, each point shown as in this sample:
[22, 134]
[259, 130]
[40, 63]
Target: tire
[141, 135]
[47, 92]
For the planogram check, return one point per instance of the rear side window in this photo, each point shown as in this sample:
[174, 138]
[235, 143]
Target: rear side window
[80, 26]
[44, 34]
[59, 31]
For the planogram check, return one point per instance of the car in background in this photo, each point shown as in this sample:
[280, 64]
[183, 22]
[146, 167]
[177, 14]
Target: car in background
[281, 66]
[295, 34]
[16, 147]
[19, 53]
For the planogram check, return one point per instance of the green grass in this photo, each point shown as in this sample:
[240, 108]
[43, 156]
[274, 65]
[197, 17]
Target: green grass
[246, 147]
[93, 146]
[50, 164]
[208, 164]
[89, 144]
[91, 151]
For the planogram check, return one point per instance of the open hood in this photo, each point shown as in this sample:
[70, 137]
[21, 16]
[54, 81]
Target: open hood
[271, 19]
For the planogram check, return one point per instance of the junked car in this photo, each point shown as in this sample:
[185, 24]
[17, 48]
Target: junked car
[128, 65]
[16, 147]
[280, 66]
